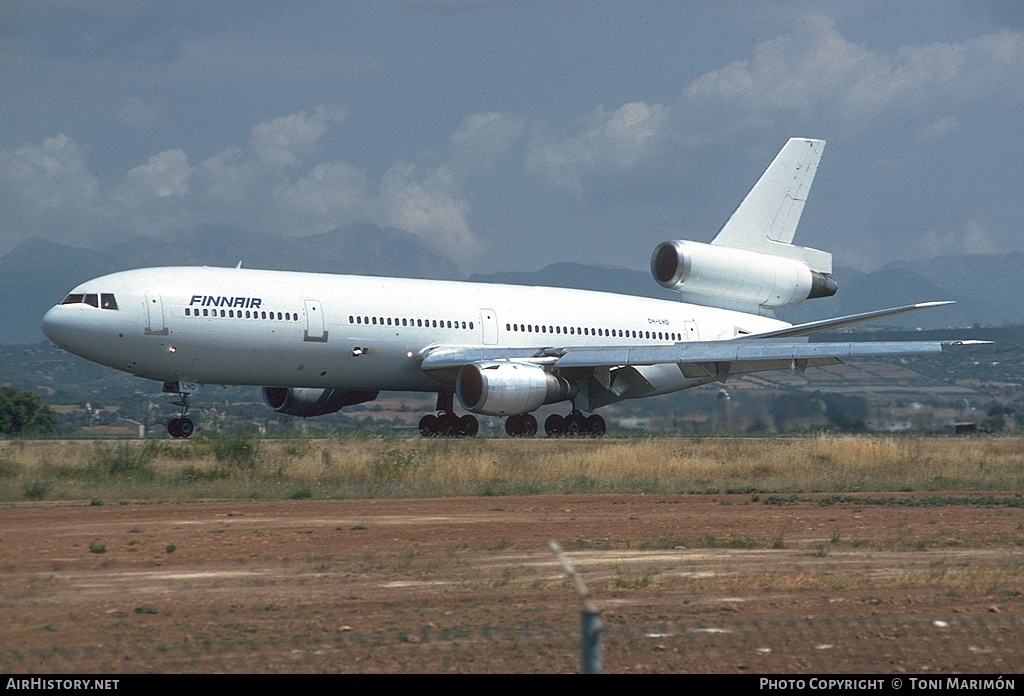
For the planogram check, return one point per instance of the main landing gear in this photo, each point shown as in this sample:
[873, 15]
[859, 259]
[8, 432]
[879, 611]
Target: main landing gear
[574, 425]
[522, 425]
[446, 423]
[181, 427]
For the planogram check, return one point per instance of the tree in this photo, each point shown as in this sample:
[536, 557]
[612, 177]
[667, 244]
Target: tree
[22, 413]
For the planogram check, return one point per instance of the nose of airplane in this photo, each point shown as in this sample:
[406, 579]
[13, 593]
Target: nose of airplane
[56, 326]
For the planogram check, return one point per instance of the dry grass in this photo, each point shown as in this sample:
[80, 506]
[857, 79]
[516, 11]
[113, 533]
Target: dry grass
[242, 467]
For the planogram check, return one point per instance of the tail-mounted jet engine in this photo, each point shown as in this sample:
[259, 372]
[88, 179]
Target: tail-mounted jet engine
[503, 388]
[726, 275]
[299, 401]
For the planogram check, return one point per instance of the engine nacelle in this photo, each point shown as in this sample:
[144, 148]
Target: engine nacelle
[300, 401]
[736, 276]
[503, 388]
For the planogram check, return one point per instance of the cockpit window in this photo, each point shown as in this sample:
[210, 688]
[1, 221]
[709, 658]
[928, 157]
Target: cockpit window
[105, 300]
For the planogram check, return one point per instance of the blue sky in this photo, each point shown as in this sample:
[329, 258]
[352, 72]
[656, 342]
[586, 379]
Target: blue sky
[510, 135]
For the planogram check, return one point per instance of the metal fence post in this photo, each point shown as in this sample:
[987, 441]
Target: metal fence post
[590, 617]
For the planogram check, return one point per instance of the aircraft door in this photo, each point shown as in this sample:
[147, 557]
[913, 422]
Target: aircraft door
[489, 322]
[314, 322]
[690, 331]
[155, 325]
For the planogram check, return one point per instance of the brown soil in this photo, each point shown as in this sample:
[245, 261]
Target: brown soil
[687, 583]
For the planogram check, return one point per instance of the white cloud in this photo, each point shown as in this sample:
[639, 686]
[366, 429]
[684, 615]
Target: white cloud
[51, 175]
[609, 144]
[817, 71]
[429, 208]
[283, 141]
[48, 190]
[483, 139]
[165, 174]
[973, 238]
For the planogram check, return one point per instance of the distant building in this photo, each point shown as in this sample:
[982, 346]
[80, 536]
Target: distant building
[123, 428]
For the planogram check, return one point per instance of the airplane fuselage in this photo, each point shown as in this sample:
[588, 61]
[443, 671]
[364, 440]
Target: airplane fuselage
[274, 328]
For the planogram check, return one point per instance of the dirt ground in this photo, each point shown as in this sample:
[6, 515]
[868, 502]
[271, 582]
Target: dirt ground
[687, 583]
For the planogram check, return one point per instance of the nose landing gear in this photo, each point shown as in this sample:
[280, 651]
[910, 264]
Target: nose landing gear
[181, 427]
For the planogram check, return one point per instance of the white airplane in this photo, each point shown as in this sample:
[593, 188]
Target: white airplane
[316, 343]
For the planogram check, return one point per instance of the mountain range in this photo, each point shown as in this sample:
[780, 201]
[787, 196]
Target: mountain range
[37, 274]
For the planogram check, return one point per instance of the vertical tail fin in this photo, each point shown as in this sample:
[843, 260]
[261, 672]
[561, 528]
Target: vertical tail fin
[767, 218]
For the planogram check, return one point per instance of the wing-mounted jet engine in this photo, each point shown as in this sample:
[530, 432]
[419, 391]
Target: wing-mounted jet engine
[298, 401]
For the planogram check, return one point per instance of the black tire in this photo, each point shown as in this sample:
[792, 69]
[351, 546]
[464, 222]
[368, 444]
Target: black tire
[529, 425]
[447, 424]
[576, 424]
[174, 427]
[514, 426]
[469, 426]
[597, 425]
[428, 425]
[554, 425]
[186, 427]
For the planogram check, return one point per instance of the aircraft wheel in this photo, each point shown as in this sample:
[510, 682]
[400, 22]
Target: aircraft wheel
[514, 426]
[428, 425]
[174, 427]
[576, 424]
[186, 427]
[596, 425]
[447, 424]
[469, 426]
[554, 425]
[529, 425]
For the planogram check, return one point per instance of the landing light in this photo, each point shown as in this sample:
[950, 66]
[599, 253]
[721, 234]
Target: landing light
[172, 349]
[409, 354]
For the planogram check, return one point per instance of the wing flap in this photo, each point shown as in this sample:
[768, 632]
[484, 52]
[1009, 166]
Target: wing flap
[744, 351]
[734, 356]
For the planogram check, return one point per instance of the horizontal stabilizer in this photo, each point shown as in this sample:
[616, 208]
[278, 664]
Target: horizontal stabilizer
[839, 322]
